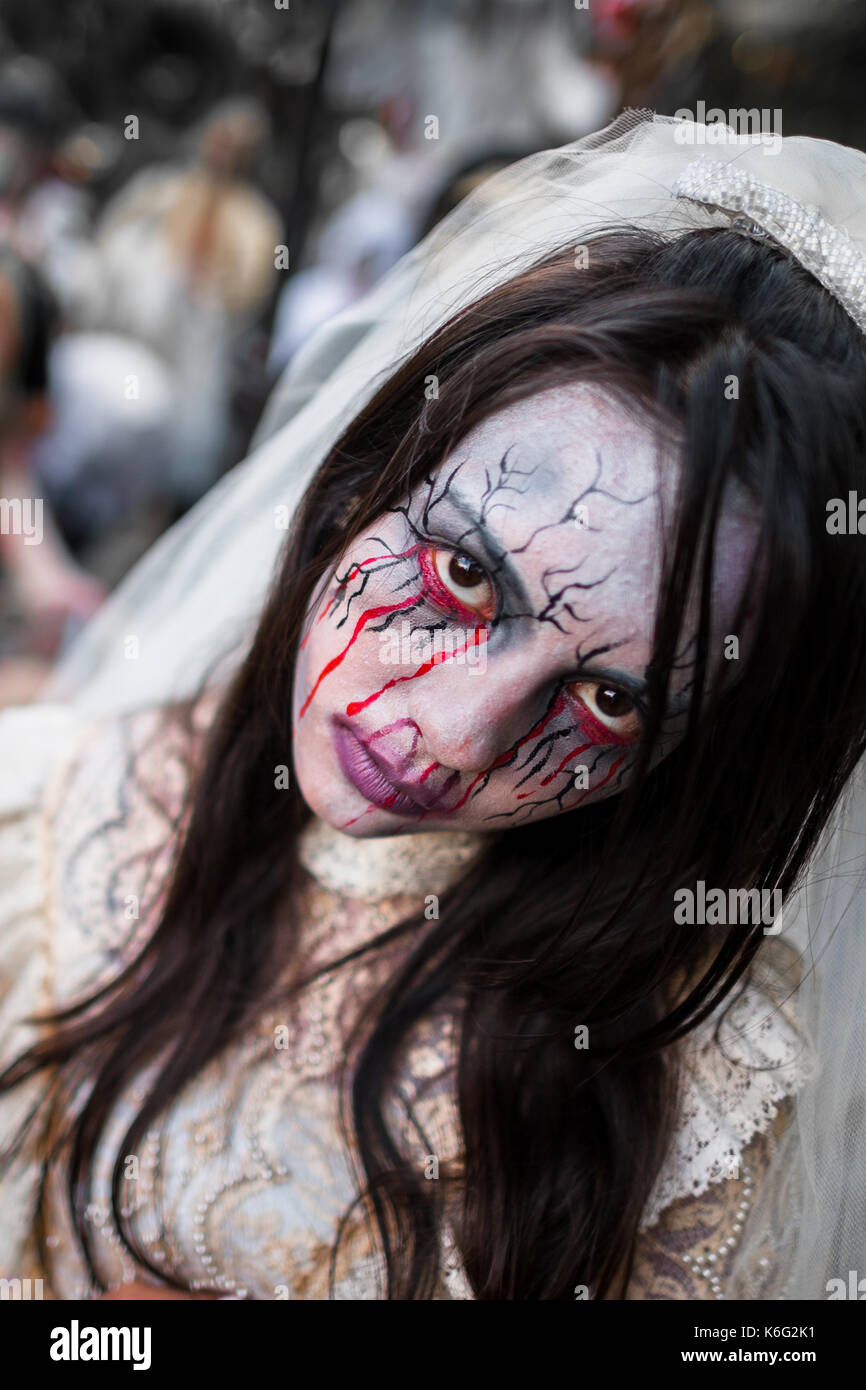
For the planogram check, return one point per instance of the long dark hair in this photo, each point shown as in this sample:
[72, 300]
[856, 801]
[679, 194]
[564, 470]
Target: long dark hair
[568, 922]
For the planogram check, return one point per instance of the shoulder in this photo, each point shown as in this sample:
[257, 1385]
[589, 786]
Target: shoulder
[112, 828]
[37, 743]
[89, 811]
[737, 1067]
[692, 1251]
[740, 1071]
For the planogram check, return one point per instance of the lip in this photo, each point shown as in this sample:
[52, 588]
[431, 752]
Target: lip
[372, 777]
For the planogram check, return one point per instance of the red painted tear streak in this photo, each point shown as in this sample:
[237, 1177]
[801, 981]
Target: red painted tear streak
[355, 570]
[436, 660]
[556, 708]
[546, 781]
[618, 764]
[365, 618]
[575, 752]
[606, 778]
[331, 601]
[323, 613]
[360, 816]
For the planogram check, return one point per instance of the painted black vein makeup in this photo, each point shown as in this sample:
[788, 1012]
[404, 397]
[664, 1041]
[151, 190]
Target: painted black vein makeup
[563, 612]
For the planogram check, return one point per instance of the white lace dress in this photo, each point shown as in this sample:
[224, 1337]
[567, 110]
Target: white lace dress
[243, 1183]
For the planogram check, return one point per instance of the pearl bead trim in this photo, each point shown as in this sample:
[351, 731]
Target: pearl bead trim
[707, 1262]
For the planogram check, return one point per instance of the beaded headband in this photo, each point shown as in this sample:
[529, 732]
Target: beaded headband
[824, 250]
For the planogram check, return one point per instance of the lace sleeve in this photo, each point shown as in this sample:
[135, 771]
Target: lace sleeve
[36, 742]
[688, 1253]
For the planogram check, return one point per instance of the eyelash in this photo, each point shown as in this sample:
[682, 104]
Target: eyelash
[437, 594]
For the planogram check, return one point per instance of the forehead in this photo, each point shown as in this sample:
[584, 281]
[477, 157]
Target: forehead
[567, 484]
[559, 437]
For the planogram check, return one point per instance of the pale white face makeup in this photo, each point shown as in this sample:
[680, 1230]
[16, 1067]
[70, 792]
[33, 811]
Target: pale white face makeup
[478, 657]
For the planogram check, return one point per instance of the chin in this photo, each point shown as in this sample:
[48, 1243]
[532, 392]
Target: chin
[347, 812]
[336, 805]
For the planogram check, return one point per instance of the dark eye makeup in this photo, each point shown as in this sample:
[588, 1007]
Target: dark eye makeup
[457, 584]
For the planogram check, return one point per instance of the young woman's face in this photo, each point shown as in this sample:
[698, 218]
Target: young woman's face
[479, 656]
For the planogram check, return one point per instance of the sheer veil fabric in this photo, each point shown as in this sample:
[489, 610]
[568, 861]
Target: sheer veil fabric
[193, 600]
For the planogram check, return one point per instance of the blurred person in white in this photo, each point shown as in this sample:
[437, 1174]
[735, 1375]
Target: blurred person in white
[359, 243]
[45, 590]
[403, 166]
[386, 182]
[371, 975]
[108, 461]
[48, 161]
[187, 256]
[106, 442]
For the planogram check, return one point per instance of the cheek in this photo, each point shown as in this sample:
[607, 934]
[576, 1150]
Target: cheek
[381, 622]
[340, 660]
[335, 664]
[565, 758]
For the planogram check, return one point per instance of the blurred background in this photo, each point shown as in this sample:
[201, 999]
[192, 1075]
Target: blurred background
[189, 187]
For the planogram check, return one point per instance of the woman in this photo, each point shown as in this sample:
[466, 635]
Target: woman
[378, 977]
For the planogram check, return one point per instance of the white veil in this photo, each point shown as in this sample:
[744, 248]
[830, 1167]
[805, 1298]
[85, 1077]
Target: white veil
[196, 595]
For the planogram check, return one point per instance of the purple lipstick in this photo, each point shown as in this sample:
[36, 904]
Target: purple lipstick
[370, 776]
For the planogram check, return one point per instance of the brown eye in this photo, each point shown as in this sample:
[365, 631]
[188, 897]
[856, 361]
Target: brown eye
[613, 703]
[611, 706]
[464, 579]
[464, 572]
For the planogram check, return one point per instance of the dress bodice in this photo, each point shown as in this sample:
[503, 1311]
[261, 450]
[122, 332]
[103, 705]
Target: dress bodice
[244, 1182]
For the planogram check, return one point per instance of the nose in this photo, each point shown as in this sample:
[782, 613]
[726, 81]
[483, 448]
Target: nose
[469, 716]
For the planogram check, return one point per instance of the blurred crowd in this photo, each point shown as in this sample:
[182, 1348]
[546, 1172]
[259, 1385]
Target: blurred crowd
[188, 188]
